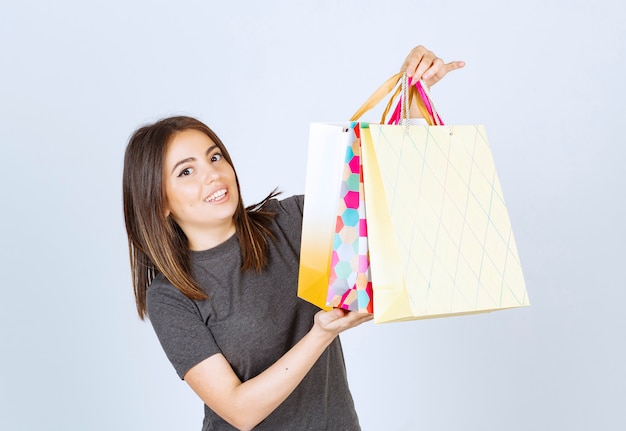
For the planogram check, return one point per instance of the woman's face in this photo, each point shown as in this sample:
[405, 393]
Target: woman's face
[200, 189]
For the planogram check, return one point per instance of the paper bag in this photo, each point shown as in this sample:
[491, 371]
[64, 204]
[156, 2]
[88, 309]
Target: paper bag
[439, 234]
[325, 162]
[350, 285]
[440, 237]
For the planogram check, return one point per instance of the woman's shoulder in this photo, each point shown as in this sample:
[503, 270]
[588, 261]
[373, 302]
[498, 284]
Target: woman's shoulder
[162, 290]
[291, 205]
[287, 218]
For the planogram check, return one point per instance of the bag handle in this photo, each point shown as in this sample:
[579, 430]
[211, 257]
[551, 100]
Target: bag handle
[377, 96]
[426, 102]
[410, 92]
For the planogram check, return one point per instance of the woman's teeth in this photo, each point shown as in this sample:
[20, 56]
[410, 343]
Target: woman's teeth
[216, 196]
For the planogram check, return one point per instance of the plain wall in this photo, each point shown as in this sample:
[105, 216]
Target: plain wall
[546, 78]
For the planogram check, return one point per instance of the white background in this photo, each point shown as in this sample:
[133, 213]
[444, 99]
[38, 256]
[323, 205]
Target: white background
[545, 77]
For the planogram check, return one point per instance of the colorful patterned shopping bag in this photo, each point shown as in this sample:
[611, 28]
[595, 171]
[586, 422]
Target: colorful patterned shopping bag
[350, 285]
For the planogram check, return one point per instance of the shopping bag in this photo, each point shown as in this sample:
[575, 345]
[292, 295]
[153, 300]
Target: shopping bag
[330, 154]
[334, 262]
[326, 152]
[440, 237]
[350, 285]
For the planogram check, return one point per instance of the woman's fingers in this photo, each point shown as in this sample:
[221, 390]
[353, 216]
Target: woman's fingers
[421, 63]
[439, 73]
[338, 320]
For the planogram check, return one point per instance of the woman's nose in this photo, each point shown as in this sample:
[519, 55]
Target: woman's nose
[210, 174]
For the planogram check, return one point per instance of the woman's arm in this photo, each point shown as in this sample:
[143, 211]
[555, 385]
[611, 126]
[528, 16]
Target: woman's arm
[246, 404]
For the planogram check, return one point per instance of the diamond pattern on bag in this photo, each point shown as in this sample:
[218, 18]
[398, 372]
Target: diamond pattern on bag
[449, 217]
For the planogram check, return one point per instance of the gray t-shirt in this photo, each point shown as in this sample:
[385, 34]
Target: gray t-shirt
[253, 319]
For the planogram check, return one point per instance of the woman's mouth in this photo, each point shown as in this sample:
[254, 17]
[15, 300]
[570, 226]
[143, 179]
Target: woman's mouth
[217, 196]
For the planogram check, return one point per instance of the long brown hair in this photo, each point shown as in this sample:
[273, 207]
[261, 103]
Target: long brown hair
[156, 243]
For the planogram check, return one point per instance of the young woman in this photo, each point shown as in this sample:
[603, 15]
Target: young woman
[218, 281]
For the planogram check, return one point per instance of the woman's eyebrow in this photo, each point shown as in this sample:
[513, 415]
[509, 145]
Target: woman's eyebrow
[191, 159]
[211, 148]
[180, 162]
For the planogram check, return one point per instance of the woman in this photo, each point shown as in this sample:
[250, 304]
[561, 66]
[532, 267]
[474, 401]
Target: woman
[219, 280]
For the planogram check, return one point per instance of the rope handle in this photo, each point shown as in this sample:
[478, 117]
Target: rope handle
[402, 89]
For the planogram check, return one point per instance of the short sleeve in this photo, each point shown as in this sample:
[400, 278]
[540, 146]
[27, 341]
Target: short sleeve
[178, 324]
[293, 205]
[289, 214]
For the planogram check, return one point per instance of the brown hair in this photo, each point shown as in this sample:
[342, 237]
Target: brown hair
[156, 243]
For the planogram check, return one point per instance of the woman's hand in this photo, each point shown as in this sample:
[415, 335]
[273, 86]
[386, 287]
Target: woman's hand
[337, 320]
[424, 64]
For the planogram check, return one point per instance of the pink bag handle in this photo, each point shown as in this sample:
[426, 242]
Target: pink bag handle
[422, 91]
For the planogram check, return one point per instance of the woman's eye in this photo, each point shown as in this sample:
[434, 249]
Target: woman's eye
[185, 172]
[215, 157]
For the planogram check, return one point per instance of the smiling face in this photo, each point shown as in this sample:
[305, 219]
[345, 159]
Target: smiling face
[200, 189]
